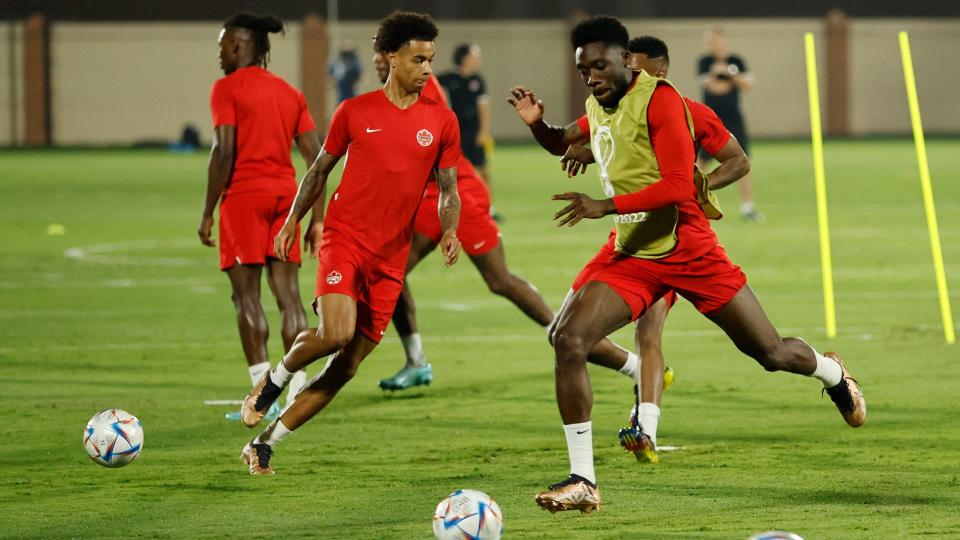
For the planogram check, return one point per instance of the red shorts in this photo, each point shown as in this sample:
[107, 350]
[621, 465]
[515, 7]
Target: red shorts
[708, 282]
[346, 268]
[248, 225]
[477, 231]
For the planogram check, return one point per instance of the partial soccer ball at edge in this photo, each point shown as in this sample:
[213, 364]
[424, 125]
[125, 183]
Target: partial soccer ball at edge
[113, 438]
[467, 514]
[776, 535]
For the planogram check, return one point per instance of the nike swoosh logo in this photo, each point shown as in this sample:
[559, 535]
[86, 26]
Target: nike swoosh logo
[373, 130]
[582, 432]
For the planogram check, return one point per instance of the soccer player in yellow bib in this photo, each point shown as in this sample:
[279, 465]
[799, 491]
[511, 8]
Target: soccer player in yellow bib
[651, 55]
[641, 136]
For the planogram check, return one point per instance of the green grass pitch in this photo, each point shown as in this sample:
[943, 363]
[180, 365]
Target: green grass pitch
[128, 310]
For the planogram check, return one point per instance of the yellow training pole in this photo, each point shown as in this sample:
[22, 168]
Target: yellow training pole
[816, 134]
[926, 187]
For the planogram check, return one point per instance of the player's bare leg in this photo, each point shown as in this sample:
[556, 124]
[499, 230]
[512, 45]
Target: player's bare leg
[341, 367]
[416, 371]
[605, 353]
[252, 324]
[492, 266]
[283, 279]
[649, 340]
[251, 321]
[338, 319]
[640, 435]
[591, 313]
[745, 322]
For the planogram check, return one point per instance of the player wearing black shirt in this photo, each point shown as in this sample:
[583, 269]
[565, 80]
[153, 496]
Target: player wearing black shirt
[467, 93]
[724, 76]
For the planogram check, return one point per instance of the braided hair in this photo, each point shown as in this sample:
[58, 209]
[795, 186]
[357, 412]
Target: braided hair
[259, 26]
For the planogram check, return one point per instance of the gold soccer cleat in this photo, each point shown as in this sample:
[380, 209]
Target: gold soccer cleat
[574, 493]
[257, 457]
[847, 396]
[258, 401]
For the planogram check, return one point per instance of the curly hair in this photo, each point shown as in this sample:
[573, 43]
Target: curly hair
[650, 46]
[603, 29]
[400, 27]
[259, 26]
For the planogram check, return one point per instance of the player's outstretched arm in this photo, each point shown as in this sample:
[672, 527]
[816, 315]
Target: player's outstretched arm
[449, 212]
[218, 173]
[311, 188]
[734, 165]
[553, 139]
[309, 145]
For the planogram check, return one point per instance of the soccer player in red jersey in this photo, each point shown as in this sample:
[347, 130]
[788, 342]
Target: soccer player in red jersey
[256, 117]
[395, 138]
[480, 237]
[651, 55]
[663, 242]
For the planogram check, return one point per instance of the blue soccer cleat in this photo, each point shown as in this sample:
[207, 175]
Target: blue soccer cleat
[408, 377]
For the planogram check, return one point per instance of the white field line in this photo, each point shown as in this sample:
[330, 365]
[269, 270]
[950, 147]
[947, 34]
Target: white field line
[112, 253]
[115, 253]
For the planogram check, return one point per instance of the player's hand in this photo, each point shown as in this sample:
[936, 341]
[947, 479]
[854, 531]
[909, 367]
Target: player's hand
[205, 231]
[450, 247]
[528, 107]
[576, 159]
[284, 240]
[581, 206]
[311, 239]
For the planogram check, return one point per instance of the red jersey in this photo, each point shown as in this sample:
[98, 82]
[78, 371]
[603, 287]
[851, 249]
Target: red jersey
[268, 113]
[392, 153]
[709, 133]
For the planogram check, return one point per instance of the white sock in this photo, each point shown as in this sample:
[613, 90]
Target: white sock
[274, 433]
[747, 207]
[297, 383]
[580, 449]
[257, 371]
[280, 376]
[413, 346]
[649, 418]
[828, 370]
[630, 367]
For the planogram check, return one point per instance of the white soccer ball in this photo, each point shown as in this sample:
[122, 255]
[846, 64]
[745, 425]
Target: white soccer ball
[776, 535]
[467, 514]
[113, 438]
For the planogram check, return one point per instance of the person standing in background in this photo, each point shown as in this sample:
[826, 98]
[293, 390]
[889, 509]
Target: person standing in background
[467, 93]
[723, 76]
[256, 118]
[346, 71]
